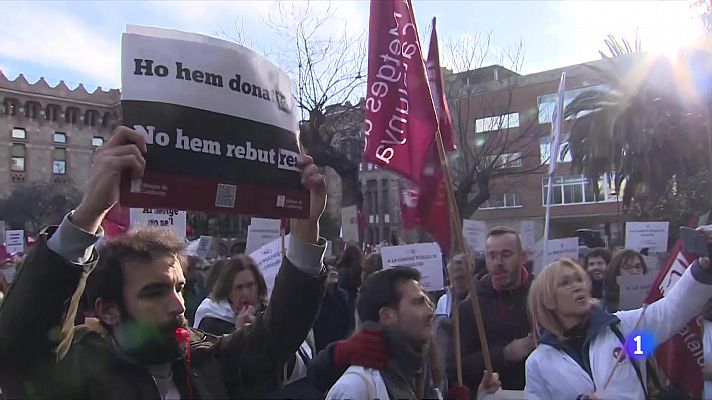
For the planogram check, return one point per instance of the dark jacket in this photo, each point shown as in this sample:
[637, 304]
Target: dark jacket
[226, 367]
[335, 320]
[505, 318]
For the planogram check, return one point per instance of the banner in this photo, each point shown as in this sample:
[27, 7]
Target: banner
[15, 241]
[159, 218]
[475, 233]
[650, 235]
[425, 257]
[400, 120]
[681, 357]
[437, 90]
[260, 232]
[219, 122]
[269, 258]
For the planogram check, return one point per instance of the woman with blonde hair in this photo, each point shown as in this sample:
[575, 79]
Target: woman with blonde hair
[579, 344]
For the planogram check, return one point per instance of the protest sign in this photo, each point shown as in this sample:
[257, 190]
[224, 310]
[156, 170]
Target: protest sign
[475, 233]
[15, 241]
[650, 235]
[557, 248]
[260, 232]
[633, 289]
[158, 218]
[204, 244]
[349, 224]
[269, 258]
[425, 257]
[219, 122]
[527, 232]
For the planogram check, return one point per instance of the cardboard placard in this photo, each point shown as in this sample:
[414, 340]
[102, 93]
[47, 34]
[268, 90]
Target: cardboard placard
[174, 220]
[220, 124]
[650, 235]
[475, 233]
[204, 244]
[425, 257]
[527, 232]
[557, 248]
[15, 241]
[269, 259]
[633, 289]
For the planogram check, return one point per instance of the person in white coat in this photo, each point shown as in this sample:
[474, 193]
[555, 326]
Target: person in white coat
[580, 343]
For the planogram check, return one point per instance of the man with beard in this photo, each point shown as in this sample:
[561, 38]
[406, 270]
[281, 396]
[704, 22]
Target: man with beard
[596, 263]
[503, 300]
[139, 349]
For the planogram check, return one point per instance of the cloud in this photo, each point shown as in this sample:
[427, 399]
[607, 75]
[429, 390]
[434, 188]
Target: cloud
[56, 39]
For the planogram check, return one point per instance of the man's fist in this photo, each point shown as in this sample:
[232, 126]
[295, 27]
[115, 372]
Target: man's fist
[308, 230]
[122, 154]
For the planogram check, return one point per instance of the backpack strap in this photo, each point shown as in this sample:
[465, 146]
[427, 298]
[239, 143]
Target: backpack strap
[636, 367]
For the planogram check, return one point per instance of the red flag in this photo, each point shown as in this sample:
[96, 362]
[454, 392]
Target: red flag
[437, 88]
[116, 222]
[400, 120]
[682, 364]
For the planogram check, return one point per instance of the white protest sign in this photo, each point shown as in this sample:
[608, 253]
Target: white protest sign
[269, 259]
[219, 121]
[260, 232]
[633, 290]
[349, 224]
[650, 235]
[425, 257]
[204, 246]
[527, 231]
[475, 233]
[158, 218]
[557, 248]
[15, 241]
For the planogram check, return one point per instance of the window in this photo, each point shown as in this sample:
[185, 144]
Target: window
[497, 122]
[547, 102]
[10, 106]
[372, 196]
[19, 133]
[545, 146]
[97, 141]
[60, 137]
[506, 160]
[505, 200]
[384, 193]
[59, 161]
[576, 189]
[70, 115]
[51, 112]
[105, 120]
[31, 109]
[17, 163]
[90, 118]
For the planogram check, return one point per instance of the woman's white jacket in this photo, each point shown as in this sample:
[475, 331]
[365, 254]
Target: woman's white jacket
[551, 373]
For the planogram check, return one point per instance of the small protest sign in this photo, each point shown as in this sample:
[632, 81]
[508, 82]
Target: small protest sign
[650, 235]
[269, 259]
[15, 241]
[260, 232]
[475, 233]
[204, 244]
[174, 220]
[557, 248]
[527, 232]
[633, 289]
[425, 257]
[220, 125]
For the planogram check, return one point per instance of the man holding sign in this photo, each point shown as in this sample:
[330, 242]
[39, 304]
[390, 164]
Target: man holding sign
[140, 347]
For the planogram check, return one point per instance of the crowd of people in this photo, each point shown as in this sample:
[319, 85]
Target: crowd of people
[135, 318]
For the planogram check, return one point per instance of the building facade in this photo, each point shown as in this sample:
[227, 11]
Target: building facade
[49, 134]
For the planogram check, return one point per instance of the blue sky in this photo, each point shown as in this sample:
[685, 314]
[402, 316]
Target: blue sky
[79, 41]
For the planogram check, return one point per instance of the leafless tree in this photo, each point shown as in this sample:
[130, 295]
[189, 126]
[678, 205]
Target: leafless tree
[495, 149]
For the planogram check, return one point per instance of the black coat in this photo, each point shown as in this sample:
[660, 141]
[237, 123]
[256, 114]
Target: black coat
[225, 367]
[335, 320]
[505, 318]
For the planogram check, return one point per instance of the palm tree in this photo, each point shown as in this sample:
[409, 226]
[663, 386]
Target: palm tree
[644, 126]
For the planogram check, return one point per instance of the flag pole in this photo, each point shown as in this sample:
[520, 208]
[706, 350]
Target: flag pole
[457, 224]
[455, 309]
